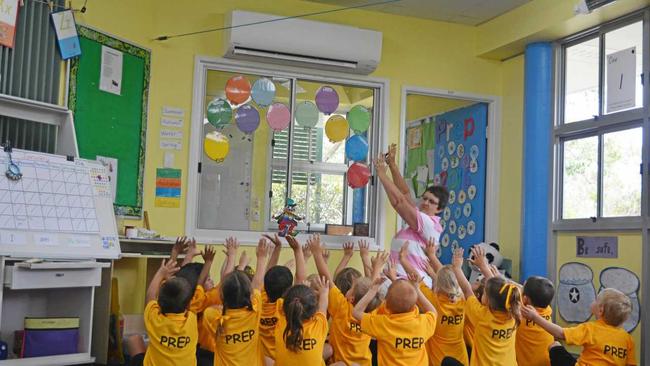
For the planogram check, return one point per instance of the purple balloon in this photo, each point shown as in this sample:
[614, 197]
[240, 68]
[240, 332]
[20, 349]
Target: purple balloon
[327, 99]
[247, 118]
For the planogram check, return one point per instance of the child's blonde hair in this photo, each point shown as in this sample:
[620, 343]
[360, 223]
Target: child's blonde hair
[446, 283]
[615, 305]
[360, 287]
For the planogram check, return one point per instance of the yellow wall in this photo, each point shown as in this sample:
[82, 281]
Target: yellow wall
[420, 106]
[630, 254]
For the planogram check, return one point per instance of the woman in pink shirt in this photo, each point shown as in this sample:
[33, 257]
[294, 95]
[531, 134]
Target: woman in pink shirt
[421, 220]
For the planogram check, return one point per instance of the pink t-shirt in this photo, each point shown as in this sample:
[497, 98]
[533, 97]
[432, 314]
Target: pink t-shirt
[428, 227]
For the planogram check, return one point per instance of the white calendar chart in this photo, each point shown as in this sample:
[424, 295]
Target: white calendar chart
[58, 209]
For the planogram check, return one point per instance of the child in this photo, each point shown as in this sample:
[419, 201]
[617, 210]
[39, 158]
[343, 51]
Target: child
[401, 334]
[422, 220]
[172, 329]
[302, 326]
[604, 341]
[277, 281]
[236, 325]
[350, 344]
[495, 318]
[532, 342]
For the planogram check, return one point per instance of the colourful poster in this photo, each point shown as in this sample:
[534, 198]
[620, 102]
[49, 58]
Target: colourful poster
[8, 18]
[66, 33]
[168, 188]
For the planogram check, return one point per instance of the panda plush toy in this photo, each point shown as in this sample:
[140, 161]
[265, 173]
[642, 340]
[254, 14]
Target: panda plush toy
[493, 256]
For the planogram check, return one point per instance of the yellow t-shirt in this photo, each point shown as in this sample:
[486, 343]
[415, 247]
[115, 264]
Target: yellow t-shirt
[268, 321]
[602, 344]
[494, 335]
[314, 333]
[468, 333]
[238, 344]
[200, 301]
[172, 337]
[350, 344]
[401, 338]
[197, 304]
[532, 341]
[448, 337]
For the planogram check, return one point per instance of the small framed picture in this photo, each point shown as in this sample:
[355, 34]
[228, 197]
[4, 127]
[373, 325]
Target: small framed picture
[361, 230]
[341, 230]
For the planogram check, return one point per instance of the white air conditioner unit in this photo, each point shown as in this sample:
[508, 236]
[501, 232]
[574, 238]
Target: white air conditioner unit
[301, 42]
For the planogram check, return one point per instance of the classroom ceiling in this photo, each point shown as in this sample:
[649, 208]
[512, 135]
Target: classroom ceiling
[469, 12]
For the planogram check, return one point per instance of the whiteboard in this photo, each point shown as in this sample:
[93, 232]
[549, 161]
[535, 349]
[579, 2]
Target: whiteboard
[58, 209]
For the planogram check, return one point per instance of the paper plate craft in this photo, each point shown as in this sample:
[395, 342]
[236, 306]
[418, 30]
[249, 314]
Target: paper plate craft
[359, 119]
[216, 146]
[327, 99]
[278, 116]
[219, 112]
[263, 92]
[358, 175]
[247, 119]
[306, 115]
[337, 128]
[356, 148]
[238, 89]
[575, 292]
[288, 219]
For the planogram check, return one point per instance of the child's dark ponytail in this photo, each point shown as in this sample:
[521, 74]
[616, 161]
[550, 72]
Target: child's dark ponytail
[235, 294]
[299, 305]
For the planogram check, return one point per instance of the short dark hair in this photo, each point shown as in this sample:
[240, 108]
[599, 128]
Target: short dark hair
[345, 279]
[175, 295]
[276, 281]
[539, 290]
[441, 193]
[191, 272]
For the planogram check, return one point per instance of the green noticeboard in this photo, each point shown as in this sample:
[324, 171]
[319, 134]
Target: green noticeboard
[108, 124]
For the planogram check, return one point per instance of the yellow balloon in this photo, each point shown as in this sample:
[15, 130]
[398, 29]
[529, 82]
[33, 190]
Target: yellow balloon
[337, 128]
[216, 146]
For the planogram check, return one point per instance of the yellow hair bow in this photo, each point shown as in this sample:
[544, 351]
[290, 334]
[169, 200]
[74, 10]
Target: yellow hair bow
[510, 288]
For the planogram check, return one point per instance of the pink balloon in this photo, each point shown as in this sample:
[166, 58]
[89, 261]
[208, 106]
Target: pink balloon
[278, 116]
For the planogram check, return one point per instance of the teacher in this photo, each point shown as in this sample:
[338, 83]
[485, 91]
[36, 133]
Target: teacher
[421, 219]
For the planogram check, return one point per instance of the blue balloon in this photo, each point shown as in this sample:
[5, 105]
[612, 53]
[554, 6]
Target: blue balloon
[356, 148]
[263, 92]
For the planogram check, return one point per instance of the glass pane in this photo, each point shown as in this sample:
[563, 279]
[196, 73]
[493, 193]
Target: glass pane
[232, 192]
[581, 81]
[322, 200]
[621, 173]
[279, 190]
[615, 41]
[579, 192]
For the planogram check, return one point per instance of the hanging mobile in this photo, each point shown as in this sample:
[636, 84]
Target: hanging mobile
[13, 171]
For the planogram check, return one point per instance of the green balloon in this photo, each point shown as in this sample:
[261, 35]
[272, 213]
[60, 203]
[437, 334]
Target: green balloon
[219, 112]
[307, 114]
[359, 119]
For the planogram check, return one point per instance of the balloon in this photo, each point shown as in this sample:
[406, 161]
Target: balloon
[216, 146]
[358, 175]
[263, 92]
[219, 112]
[359, 118]
[327, 99]
[247, 118]
[278, 116]
[356, 148]
[337, 128]
[238, 89]
[307, 114]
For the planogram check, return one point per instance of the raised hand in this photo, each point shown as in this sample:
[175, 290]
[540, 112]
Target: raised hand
[326, 255]
[262, 250]
[431, 248]
[180, 246]
[168, 269]
[414, 278]
[479, 259]
[389, 158]
[232, 245]
[380, 164]
[457, 259]
[348, 248]
[404, 250]
[391, 270]
[314, 245]
[275, 239]
[208, 254]
[528, 312]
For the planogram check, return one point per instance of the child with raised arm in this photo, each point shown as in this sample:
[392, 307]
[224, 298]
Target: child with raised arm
[495, 317]
[532, 341]
[447, 297]
[401, 333]
[277, 280]
[604, 341]
[422, 220]
[350, 344]
[236, 324]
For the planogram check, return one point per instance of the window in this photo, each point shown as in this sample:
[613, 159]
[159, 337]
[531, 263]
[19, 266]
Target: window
[599, 132]
[252, 184]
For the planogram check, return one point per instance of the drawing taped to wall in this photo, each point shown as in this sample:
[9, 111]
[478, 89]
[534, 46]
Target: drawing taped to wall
[575, 292]
[628, 283]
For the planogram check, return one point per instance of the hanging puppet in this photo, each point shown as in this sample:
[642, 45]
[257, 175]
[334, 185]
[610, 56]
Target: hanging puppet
[288, 219]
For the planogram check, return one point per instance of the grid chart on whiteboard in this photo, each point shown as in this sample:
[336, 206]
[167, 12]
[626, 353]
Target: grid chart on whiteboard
[50, 197]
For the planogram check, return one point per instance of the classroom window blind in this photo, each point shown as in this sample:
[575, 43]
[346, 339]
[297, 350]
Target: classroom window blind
[31, 70]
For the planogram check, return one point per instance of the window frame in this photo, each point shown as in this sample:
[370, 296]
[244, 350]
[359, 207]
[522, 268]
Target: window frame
[378, 139]
[598, 126]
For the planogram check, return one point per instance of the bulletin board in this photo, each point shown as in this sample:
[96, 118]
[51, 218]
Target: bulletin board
[420, 146]
[579, 280]
[459, 165]
[112, 125]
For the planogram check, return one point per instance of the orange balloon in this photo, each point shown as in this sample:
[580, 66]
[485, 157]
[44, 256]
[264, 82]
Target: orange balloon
[238, 89]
